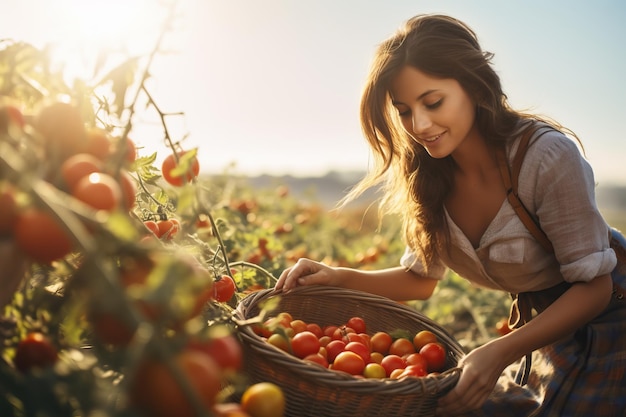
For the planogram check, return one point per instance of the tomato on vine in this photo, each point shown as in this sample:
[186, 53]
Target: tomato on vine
[40, 236]
[98, 190]
[181, 171]
[224, 289]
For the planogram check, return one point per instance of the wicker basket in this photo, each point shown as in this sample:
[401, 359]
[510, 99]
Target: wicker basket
[311, 390]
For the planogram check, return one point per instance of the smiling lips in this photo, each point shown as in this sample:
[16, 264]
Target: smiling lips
[431, 138]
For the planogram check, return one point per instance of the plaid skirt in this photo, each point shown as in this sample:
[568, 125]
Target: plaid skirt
[583, 375]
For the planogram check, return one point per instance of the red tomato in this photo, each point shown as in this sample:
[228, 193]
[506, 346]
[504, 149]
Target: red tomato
[380, 342]
[315, 329]
[98, 143]
[98, 190]
[357, 323]
[422, 338]
[360, 349]
[414, 371]
[304, 344]
[317, 359]
[225, 350]
[224, 289]
[39, 236]
[156, 392]
[34, 351]
[78, 166]
[435, 355]
[129, 190]
[334, 348]
[178, 179]
[392, 362]
[349, 362]
[402, 347]
[416, 359]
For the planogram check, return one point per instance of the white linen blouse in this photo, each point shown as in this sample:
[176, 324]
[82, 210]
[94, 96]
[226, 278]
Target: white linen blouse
[556, 183]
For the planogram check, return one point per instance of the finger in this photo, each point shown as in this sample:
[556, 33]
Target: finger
[280, 283]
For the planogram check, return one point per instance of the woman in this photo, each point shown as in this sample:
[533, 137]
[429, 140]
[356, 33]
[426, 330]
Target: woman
[435, 116]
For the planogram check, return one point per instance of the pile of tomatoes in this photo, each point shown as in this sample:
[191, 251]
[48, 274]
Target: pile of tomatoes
[349, 348]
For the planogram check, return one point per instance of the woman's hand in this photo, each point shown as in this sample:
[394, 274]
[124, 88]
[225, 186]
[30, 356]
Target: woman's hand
[307, 272]
[481, 369]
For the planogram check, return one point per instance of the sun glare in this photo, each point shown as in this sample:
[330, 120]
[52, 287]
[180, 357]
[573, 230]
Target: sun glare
[88, 30]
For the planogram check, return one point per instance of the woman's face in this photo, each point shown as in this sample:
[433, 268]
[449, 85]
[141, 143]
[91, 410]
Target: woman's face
[436, 112]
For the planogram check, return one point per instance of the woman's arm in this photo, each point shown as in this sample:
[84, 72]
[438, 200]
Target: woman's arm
[483, 366]
[395, 283]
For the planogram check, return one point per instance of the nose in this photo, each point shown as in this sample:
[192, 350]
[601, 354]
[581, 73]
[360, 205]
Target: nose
[421, 122]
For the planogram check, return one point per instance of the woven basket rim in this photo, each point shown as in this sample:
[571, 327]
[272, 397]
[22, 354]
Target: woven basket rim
[431, 384]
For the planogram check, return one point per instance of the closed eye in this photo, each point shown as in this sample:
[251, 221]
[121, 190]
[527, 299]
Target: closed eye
[434, 105]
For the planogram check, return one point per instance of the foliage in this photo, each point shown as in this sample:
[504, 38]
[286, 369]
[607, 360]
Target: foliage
[219, 226]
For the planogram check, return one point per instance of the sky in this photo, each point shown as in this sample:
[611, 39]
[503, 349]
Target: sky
[273, 86]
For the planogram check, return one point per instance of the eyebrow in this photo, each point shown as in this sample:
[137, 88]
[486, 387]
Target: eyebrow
[421, 96]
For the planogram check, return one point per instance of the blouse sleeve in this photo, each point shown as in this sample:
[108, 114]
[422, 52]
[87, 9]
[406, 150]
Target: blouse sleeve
[561, 188]
[410, 261]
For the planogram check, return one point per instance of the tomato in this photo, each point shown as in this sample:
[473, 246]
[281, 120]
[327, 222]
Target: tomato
[435, 355]
[304, 343]
[280, 341]
[374, 370]
[34, 351]
[263, 399]
[224, 289]
[298, 325]
[341, 333]
[131, 151]
[99, 191]
[152, 226]
[8, 215]
[391, 362]
[78, 166]
[155, 392]
[422, 338]
[357, 323]
[381, 342]
[416, 371]
[98, 143]
[315, 329]
[10, 116]
[376, 357]
[349, 362]
[329, 330]
[62, 126]
[224, 350]
[128, 188]
[167, 229]
[40, 236]
[360, 349]
[317, 359]
[334, 348]
[170, 166]
[401, 347]
[416, 359]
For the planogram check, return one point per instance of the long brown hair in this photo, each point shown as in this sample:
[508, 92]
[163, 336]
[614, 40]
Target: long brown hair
[416, 185]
